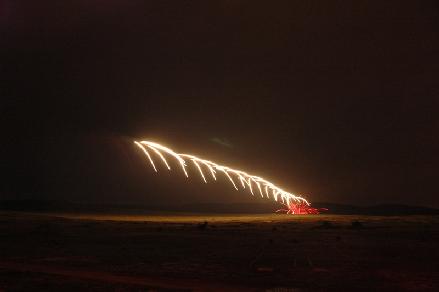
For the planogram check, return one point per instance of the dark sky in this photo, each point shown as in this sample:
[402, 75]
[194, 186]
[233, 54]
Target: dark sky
[334, 99]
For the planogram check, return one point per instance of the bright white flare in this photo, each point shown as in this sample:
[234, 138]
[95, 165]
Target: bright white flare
[244, 178]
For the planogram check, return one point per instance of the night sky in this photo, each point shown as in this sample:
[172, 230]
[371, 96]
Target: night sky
[335, 100]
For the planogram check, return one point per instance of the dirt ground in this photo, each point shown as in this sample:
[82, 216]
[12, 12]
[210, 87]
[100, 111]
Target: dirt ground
[68, 252]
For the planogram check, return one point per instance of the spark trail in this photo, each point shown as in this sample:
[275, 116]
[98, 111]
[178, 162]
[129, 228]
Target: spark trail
[238, 178]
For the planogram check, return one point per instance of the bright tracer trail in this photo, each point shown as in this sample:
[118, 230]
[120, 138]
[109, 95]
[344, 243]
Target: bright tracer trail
[238, 178]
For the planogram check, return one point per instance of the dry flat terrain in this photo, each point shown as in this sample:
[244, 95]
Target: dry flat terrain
[67, 252]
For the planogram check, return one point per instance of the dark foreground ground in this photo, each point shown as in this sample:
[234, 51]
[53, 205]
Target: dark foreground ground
[228, 253]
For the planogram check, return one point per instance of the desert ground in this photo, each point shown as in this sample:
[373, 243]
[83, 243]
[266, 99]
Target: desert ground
[214, 252]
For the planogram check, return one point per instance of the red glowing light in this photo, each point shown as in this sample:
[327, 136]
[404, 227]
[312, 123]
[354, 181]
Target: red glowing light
[300, 209]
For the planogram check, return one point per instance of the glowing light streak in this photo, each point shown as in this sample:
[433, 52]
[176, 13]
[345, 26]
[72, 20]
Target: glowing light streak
[288, 199]
[230, 178]
[161, 156]
[199, 169]
[170, 152]
[260, 190]
[241, 179]
[147, 154]
[211, 171]
[249, 183]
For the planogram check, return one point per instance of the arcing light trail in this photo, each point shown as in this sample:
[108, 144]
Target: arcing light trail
[294, 204]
